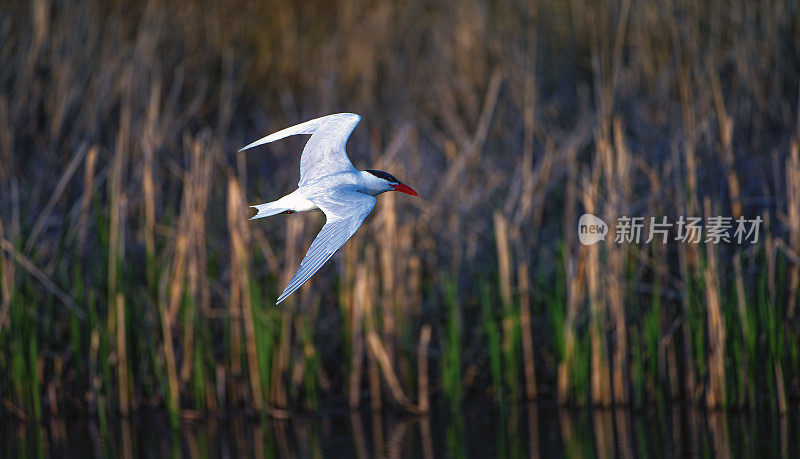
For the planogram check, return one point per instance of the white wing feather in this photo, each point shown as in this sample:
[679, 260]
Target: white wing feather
[303, 128]
[325, 151]
[345, 211]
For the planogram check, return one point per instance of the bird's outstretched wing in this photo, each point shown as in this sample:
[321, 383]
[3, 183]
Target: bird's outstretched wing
[325, 151]
[345, 210]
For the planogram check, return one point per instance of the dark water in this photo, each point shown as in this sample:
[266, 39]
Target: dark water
[534, 430]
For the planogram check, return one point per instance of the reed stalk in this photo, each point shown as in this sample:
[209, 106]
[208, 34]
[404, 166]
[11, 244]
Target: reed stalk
[311, 383]
[423, 380]
[617, 168]
[525, 304]
[389, 256]
[279, 397]
[86, 197]
[369, 324]
[122, 351]
[600, 365]
[381, 356]
[793, 221]
[172, 396]
[715, 393]
[239, 237]
[149, 196]
[510, 322]
[357, 341]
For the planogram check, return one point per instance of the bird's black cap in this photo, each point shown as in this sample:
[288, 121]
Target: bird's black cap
[383, 175]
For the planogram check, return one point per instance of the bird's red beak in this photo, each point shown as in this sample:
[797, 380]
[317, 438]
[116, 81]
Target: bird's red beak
[403, 188]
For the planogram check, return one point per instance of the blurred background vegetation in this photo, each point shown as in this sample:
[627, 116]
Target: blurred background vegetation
[131, 278]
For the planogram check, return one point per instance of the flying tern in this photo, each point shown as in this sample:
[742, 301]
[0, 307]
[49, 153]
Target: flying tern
[330, 183]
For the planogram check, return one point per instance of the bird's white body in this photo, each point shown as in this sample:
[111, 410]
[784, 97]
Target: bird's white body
[301, 199]
[328, 182]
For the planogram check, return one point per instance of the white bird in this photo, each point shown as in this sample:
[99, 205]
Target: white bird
[329, 182]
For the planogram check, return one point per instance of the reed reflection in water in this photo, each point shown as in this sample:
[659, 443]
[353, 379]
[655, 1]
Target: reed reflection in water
[532, 430]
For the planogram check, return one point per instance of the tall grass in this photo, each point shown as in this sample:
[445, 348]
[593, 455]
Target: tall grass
[130, 276]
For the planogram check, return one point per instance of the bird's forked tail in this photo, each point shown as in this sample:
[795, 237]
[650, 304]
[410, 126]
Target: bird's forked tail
[269, 209]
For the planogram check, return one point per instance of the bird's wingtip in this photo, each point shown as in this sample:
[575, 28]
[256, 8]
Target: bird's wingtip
[250, 145]
[283, 296]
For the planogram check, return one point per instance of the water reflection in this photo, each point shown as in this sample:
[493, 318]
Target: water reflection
[532, 430]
